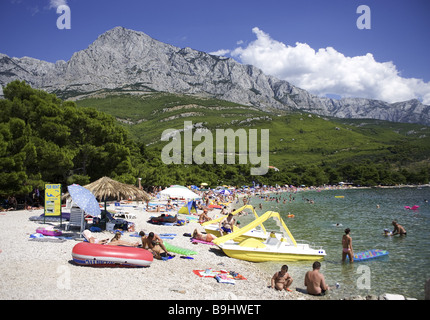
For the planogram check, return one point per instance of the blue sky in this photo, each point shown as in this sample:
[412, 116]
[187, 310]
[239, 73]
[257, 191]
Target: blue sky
[299, 41]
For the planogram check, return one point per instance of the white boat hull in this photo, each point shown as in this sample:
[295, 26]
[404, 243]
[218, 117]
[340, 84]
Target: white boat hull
[257, 234]
[283, 252]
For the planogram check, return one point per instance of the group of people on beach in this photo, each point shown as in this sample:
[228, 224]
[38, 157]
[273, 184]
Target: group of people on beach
[314, 280]
[347, 250]
[151, 242]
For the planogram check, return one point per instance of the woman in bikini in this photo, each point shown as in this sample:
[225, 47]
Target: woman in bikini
[203, 237]
[347, 246]
[116, 241]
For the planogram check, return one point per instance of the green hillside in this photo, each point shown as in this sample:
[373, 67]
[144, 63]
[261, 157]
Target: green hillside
[44, 139]
[296, 139]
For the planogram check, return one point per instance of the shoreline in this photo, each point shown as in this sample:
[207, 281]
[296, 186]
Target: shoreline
[35, 270]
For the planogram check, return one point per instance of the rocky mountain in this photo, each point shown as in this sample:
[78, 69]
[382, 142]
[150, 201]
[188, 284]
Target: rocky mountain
[126, 59]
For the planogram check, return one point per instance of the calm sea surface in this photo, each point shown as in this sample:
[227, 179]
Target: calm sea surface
[406, 268]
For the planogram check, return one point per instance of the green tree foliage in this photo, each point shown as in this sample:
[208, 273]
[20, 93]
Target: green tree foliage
[46, 140]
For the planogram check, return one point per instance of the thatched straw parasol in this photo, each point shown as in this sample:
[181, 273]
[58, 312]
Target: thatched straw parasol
[105, 188]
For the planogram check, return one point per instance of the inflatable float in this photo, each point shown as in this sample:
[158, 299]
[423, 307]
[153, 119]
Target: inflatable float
[369, 254]
[415, 207]
[99, 255]
[49, 232]
[179, 250]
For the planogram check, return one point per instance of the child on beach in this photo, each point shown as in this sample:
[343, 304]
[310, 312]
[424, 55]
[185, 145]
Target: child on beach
[281, 279]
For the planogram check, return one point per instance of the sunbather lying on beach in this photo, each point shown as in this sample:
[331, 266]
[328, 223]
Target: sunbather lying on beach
[116, 241]
[164, 218]
[89, 237]
[156, 209]
[203, 237]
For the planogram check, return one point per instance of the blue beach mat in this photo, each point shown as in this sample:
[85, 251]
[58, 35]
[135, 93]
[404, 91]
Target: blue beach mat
[369, 254]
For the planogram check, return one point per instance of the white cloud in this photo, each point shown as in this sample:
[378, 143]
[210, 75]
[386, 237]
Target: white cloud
[221, 52]
[56, 3]
[327, 71]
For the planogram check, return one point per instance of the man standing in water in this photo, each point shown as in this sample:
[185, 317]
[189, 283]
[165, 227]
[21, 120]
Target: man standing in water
[398, 229]
[347, 246]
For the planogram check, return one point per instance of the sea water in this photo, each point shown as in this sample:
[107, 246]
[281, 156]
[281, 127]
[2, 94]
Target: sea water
[367, 212]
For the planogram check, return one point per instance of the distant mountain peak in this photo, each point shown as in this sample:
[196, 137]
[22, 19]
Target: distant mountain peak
[123, 57]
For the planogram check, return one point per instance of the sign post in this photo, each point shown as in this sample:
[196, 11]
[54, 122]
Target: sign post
[53, 201]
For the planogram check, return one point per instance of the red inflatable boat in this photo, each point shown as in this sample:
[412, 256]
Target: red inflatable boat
[99, 255]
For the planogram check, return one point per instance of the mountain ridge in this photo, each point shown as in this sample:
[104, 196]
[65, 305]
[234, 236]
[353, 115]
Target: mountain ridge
[120, 58]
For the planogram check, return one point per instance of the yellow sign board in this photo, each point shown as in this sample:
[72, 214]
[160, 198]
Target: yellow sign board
[52, 199]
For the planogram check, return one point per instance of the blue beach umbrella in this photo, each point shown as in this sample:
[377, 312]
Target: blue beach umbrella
[225, 192]
[84, 199]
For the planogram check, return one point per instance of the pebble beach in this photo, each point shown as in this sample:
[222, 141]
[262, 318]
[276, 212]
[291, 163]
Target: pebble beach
[45, 270]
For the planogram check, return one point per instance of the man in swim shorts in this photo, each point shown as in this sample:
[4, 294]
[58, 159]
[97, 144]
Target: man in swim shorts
[281, 279]
[226, 225]
[315, 282]
[398, 229]
[153, 243]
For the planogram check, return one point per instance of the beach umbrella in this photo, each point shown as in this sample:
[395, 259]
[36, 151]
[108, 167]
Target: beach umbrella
[225, 192]
[84, 199]
[106, 187]
[177, 191]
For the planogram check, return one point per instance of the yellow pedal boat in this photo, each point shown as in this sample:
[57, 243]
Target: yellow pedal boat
[258, 232]
[276, 247]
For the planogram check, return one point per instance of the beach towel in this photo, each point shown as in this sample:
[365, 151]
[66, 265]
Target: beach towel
[41, 238]
[48, 239]
[167, 258]
[223, 278]
[193, 240]
[209, 273]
